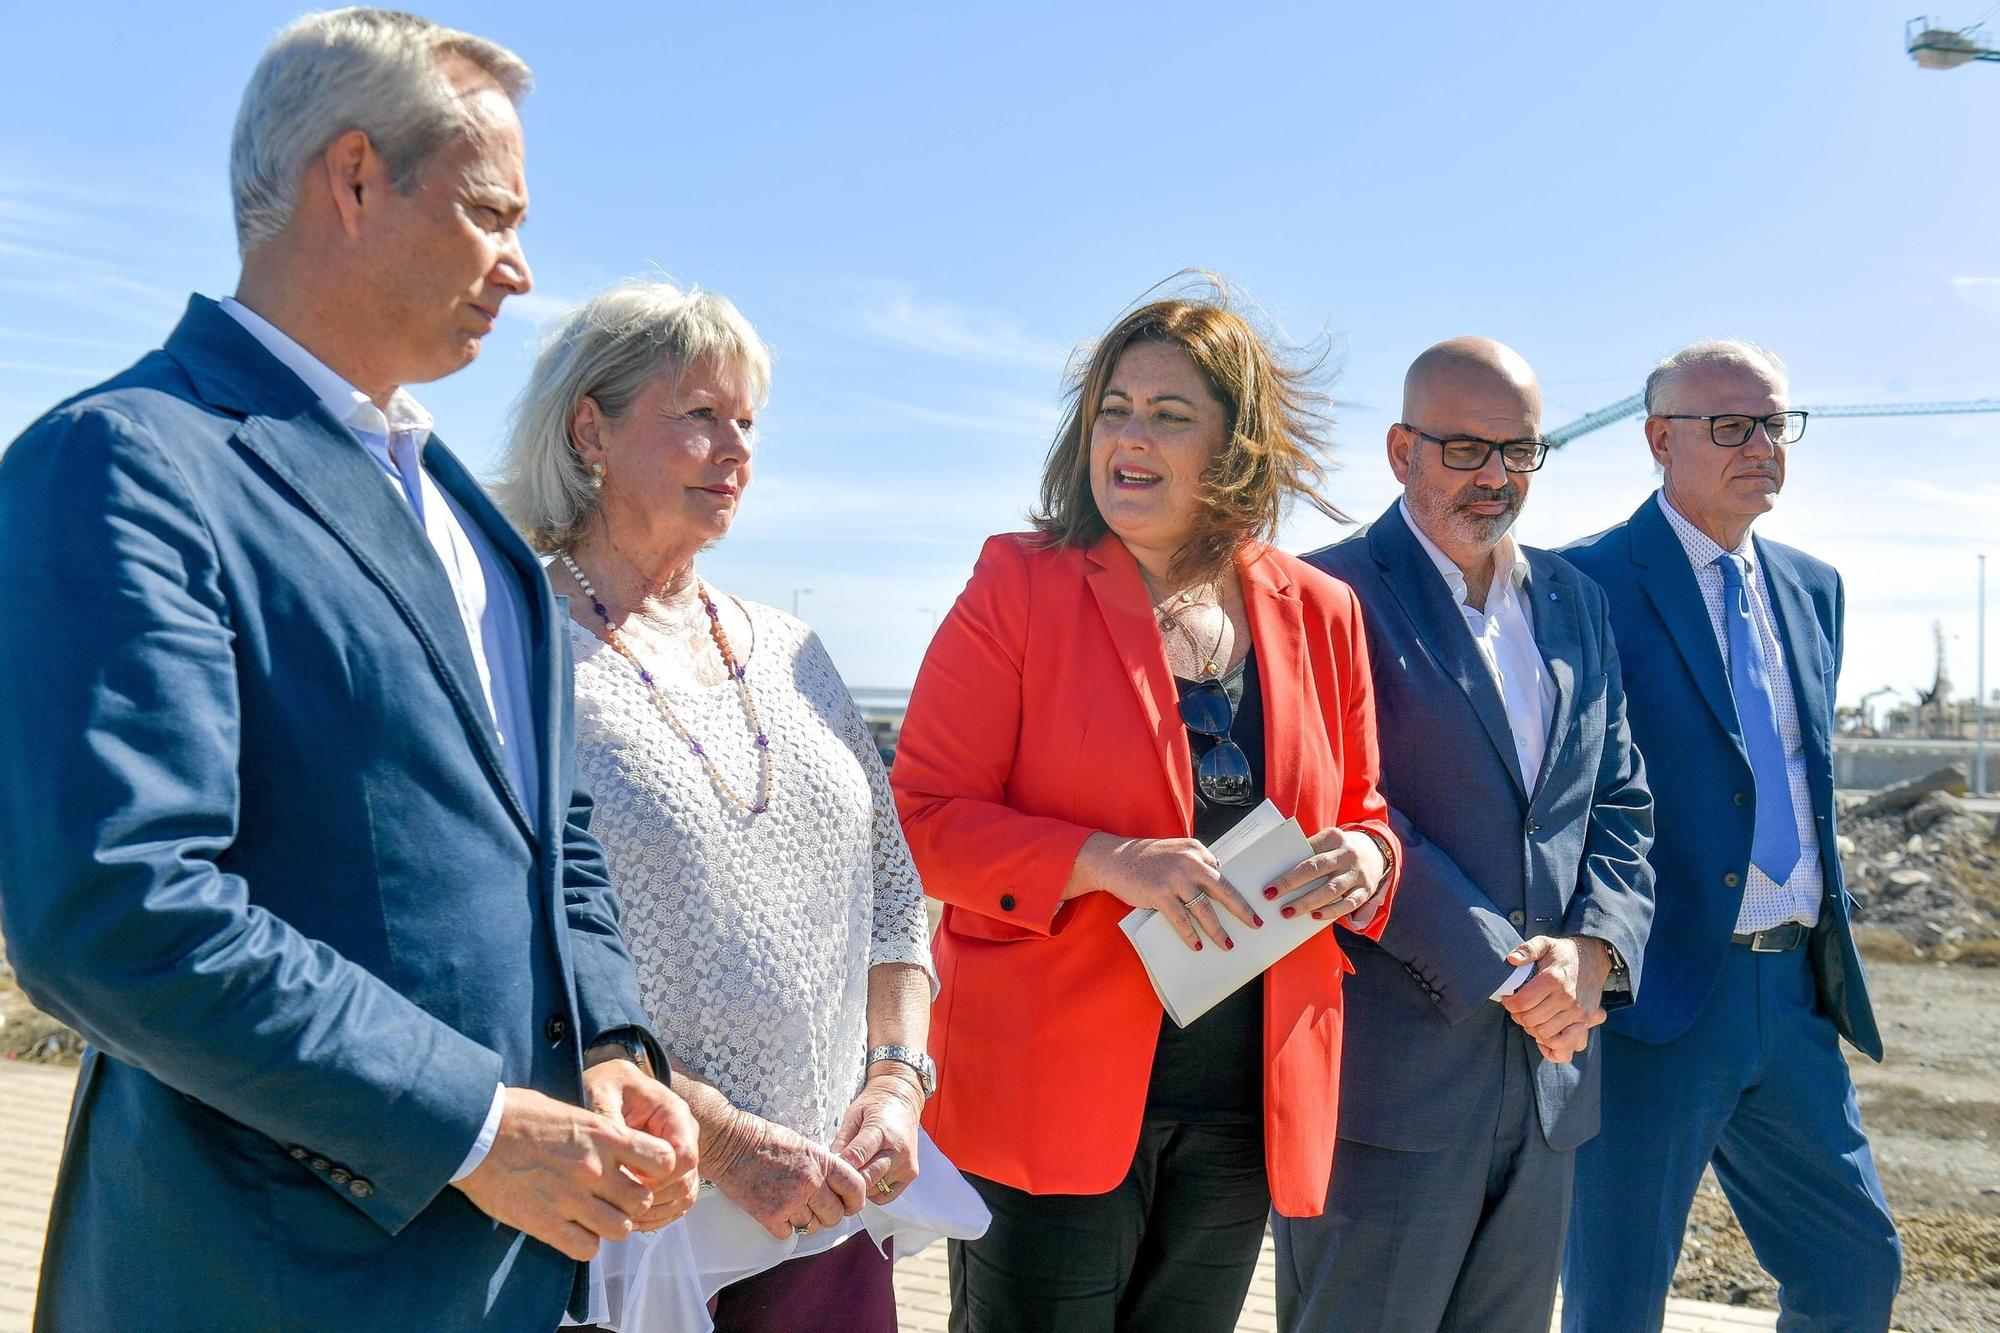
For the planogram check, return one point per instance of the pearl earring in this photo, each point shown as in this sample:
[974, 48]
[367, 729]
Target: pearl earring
[597, 476]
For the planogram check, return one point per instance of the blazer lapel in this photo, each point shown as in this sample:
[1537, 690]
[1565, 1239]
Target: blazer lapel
[1669, 584]
[1278, 629]
[1121, 599]
[547, 633]
[1440, 627]
[287, 428]
[333, 474]
[1552, 608]
[1798, 627]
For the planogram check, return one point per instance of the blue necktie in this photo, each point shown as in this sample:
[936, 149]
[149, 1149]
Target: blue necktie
[1774, 844]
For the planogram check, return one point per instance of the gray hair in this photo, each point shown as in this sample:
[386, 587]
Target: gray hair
[373, 70]
[608, 350]
[1739, 352]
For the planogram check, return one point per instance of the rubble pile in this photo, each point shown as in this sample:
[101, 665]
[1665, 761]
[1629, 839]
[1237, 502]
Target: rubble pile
[1925, 871]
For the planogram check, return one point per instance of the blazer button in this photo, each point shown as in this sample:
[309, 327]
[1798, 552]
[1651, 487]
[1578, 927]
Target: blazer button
[1742, 798]
[360, 1188]
[1517, 919]
[1006, 902]
[558, 1028]
[1731, 880]
[1533, 828]
[298, 1154]
[319, 1164]
[340, 1175]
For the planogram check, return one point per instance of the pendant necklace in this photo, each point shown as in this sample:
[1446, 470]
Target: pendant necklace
[736, 671]
[1170, 618]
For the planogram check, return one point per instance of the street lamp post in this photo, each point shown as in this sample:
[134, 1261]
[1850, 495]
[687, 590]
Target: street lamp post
[1979, 696]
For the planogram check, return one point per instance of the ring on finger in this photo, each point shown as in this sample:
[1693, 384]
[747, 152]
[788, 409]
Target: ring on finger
[884, 1188]
[800, 1231]
[1189, 904]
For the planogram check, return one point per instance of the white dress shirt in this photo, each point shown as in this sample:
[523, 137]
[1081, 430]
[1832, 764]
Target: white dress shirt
[1765, 902]
[491, 607]
[1504, 632]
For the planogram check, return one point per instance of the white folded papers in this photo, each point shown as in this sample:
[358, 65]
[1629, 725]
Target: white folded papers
[1263, 846]
[661, 1281]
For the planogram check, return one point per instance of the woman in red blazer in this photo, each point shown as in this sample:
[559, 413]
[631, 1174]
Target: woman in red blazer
[1109, 695]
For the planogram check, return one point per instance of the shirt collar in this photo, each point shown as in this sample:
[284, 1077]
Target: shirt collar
[1507, 556]
[1702, 549]
[350, 407]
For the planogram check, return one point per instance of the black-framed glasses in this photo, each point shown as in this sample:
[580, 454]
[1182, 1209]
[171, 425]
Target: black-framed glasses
[1468, 453]
[1732, 430]
[1223, 772]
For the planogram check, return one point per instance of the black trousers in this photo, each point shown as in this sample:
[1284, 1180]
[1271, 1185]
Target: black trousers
[1170, 1249]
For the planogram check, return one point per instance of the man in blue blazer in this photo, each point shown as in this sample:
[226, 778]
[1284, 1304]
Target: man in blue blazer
[1731, 648]
[288, 825]
[1467, 1084]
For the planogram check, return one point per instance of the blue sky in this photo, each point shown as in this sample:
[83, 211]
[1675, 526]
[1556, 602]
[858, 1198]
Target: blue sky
[923, 208]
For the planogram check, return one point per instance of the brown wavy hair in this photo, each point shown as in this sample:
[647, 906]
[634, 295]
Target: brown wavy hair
[1275, 423]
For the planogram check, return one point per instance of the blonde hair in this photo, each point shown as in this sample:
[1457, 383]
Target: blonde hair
[607, 350]
[373, 70]
[1275, 423]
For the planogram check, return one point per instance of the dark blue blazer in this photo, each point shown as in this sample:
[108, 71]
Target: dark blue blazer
[1684, 721]
[258, 845]
[1487, 863]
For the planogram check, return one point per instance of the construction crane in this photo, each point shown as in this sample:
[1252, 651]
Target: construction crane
[1868, 718]
[1633, 406]
[1944, 48]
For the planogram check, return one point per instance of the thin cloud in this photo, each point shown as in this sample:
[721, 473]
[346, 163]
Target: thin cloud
[538, 309]
[65, 340]
[1980, 293]
[1006, 418]
[895, 316]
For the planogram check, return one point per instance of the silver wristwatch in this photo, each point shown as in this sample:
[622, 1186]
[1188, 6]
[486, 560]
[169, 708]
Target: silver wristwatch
[925, 1069]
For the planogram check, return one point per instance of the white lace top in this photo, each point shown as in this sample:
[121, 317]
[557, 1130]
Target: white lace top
[753, 936]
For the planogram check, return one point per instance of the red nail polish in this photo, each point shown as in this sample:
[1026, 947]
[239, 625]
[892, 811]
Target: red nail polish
[1256, 920]
[1197, 946]
[1229, 944]
[1316, 916]
[1271, 891]
[1288, 912]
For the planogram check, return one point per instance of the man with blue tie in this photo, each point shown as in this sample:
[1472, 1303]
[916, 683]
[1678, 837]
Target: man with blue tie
[1468, 1076]
[1731, 647]
[289, 825]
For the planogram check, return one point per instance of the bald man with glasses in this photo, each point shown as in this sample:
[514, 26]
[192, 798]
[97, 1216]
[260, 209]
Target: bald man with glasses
[1731, 1056]
[1468, 1070]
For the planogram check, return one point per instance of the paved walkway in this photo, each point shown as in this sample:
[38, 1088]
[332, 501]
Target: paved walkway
[34, 1103]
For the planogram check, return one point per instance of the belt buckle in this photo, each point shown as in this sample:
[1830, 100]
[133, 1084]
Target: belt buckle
[1788, 933]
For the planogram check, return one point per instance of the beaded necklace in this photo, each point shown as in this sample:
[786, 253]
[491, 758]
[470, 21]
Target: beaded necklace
[736, 671]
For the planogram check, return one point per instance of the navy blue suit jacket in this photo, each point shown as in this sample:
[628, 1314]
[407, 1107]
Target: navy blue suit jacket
[258, 845]
[1487, 862]
[1684, 721]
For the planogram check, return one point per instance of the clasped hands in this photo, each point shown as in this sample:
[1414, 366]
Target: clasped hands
[1562, 1001]
[1180, 879]
[574, 1177]
[793, 1186]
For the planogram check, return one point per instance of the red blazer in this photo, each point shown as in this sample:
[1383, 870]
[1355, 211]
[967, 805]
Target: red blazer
[1045, 712]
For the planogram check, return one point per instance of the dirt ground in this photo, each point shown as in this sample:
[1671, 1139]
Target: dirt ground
[1932, 1110]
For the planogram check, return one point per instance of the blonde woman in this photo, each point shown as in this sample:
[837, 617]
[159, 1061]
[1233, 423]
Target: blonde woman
[769, 898]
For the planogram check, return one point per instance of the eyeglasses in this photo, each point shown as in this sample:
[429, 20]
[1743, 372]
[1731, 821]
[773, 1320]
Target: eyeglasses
[1732, 430]
[1468, 453]
[1223, 772]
